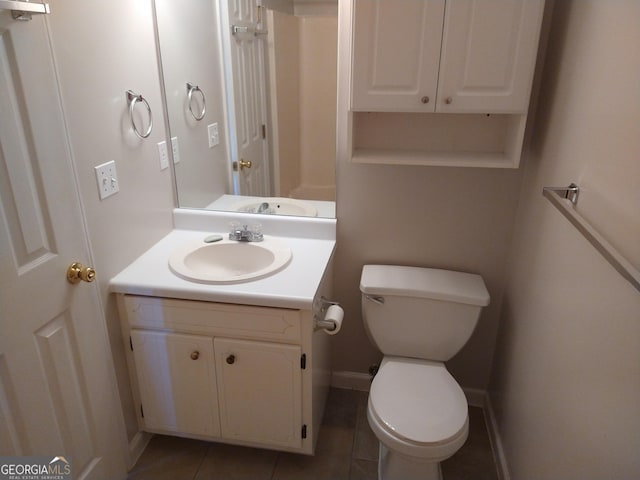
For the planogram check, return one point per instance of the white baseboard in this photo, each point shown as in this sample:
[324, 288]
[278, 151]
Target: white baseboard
[362, 382]
[496, 441]
[475, 396]
[136, 446]
[351, 380]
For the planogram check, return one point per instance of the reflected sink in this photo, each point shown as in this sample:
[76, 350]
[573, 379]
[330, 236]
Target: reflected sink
[277, 206]
[228, 261]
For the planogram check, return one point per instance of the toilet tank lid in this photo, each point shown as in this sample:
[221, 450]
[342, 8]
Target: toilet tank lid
[432, 283]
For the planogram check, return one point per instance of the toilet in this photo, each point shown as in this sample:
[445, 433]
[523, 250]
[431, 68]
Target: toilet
[418, 318]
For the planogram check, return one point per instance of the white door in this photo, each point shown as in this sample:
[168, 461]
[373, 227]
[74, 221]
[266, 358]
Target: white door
[489, 52]
[247, 91]
[259, 391]
[177, 381]
[57, 387]
[396, 51]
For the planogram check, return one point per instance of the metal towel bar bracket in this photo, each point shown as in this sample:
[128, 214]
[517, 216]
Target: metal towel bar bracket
[24, 10]
[132, 99]
[557, 196]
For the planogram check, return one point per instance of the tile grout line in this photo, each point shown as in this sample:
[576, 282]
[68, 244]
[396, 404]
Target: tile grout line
[355, 434]
[206, 452]
[275, 466]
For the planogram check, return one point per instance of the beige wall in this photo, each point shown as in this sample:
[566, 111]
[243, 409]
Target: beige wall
[284, 55]
[318, 78]
[305, 77]
[453, 218]
[101, 51]
[191, 52]
[566, 383]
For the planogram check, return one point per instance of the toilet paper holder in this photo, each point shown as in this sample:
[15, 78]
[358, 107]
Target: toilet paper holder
[320, 323]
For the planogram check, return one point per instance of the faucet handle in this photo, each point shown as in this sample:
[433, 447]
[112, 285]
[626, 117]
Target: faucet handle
[256, 229]
[244, 233]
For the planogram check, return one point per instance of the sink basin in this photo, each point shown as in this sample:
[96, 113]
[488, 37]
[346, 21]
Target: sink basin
[228, 261]
[278, 206]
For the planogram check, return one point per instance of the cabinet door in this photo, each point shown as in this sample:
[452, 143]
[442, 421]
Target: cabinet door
[488, 58]
[177, 382]
[259, 391]
[395, 55]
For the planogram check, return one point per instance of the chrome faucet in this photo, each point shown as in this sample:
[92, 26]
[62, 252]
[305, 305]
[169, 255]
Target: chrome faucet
[244, 234]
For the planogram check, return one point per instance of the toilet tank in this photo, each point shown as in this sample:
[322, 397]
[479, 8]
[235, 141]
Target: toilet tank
[420, 312]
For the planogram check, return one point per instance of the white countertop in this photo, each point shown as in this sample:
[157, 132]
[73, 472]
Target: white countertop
[293, 287]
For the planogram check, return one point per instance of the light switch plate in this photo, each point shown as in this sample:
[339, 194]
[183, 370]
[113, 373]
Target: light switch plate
[175, 149]
[107, 179]
[163, 153]
[214, 135]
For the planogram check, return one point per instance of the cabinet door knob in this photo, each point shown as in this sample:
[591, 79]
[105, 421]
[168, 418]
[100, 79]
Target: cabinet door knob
[448, 100]
[195, 355]
[425, 99]
[231, 359]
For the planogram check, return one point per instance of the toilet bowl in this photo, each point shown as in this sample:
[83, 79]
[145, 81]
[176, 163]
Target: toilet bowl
[418, 411]
[418, 318]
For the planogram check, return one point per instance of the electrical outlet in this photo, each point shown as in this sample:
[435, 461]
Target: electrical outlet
[214, 135]
[107, 179]
[175, 149]
[163, 153]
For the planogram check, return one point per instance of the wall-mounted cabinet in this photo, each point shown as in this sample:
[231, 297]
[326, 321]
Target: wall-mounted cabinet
[437, 82]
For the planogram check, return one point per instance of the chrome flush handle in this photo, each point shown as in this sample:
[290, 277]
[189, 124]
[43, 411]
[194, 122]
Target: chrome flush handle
[375, 299]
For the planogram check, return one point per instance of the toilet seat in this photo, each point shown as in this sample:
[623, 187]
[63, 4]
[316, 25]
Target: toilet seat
[417, 408]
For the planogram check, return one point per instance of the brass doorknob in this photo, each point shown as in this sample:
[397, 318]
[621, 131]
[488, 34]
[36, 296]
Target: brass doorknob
[242, 164]
[195, 355]
[77, 272]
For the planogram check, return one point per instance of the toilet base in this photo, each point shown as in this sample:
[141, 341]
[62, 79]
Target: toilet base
[394, 466]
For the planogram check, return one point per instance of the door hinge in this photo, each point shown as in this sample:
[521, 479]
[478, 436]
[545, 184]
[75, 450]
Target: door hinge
[130, 343]
[264, 131]
[303, 361]
[141, 411]
[304, 431]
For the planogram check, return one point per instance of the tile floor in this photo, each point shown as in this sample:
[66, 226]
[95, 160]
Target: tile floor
[347, 450]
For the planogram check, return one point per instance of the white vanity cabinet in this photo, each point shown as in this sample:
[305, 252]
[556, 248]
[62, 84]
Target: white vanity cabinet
[473, 58]
[230, 373]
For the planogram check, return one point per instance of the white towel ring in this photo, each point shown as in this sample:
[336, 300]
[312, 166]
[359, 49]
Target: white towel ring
[195, 88]
[132, 99]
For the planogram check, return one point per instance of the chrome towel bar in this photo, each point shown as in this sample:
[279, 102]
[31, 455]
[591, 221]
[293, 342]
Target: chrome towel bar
[558, 196]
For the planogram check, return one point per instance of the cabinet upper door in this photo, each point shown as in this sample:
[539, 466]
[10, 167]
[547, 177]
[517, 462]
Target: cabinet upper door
[395, 55]
[489, 52]
[177, 382]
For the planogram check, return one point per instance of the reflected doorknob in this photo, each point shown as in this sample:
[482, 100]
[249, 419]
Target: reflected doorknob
[242, 164]
[77, 272]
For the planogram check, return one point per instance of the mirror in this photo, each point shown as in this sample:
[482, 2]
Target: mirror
[250, 92]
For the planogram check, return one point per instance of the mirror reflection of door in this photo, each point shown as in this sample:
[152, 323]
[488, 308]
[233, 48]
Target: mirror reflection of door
[246, 90]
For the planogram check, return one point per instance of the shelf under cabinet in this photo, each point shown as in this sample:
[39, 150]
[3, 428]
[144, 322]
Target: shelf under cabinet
[463, 140]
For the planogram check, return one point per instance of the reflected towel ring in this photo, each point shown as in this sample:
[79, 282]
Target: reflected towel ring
[132, 99]
[195, 88]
